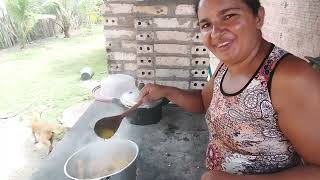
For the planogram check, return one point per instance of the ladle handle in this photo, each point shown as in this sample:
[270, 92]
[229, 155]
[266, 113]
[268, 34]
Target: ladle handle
[133, 108]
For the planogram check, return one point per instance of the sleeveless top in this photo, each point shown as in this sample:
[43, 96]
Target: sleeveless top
[244, 136]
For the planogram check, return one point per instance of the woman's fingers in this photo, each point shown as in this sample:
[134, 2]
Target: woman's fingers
[150, 93]
[143, 95]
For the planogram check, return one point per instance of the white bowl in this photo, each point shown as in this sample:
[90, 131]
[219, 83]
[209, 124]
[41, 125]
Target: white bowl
[113, 86]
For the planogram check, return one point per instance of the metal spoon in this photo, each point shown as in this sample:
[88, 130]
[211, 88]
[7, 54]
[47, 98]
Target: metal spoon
[106, 127]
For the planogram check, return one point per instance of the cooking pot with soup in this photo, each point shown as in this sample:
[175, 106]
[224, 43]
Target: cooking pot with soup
[113, 159]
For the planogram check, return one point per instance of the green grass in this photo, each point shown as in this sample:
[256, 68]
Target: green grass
[47, 72]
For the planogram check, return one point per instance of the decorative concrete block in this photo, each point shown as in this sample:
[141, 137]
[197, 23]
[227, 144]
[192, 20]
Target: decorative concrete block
[197, 84]
[130, 66]
[151, 10]
[173, 36]
[143, 23]
[172, 23]
[185, 9]
[145, 61]
[200, 50]
[172, 48]
[178, 84]
[173, 73]
[200, 62]
[118, 8]
[122, 56]
[115, 67]
[145, 36]
[199, 73]
[145, 73]
[144, 48]
[172, 61]
[120, 34]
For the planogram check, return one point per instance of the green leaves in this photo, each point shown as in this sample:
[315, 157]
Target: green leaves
[23, 13]
[69, 14]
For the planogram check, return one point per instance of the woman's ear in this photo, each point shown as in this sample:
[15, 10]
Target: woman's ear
[260, 18]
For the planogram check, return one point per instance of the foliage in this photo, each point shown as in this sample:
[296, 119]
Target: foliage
[7, 35]
[90, 11]
[63, 12]
[73, 13]
[23, 13]
[19, 25]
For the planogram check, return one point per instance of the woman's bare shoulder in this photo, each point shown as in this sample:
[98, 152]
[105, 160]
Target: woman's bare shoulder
[296, 98]
[295, 70]
[294, 82]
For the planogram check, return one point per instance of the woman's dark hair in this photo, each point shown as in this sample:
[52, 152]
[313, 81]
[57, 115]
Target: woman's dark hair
[254, 5]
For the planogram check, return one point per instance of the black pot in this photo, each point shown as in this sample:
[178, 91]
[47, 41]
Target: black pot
[147, 116]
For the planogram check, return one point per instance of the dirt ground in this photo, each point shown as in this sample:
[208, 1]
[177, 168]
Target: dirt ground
[20, 157]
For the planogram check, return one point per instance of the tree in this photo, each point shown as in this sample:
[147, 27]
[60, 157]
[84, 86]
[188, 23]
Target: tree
[89, 11]
[63, 10]
[23, 14]
[72, 13]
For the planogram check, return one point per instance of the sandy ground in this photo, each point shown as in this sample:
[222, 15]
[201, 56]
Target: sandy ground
[19, 156]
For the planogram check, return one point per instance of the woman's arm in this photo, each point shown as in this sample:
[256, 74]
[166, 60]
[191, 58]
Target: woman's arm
[196, 101]
[190, 100]
[295, 94]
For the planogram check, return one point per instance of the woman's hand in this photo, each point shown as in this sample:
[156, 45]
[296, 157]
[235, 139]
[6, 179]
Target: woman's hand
[152, 92]
[190, 100]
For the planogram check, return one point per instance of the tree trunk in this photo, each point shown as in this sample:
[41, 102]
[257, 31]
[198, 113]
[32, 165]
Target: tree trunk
[66, 32]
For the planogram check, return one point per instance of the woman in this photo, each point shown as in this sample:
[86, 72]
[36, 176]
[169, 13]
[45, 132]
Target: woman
[262, 104]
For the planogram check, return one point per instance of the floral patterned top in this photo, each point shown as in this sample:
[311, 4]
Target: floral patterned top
[244, 134]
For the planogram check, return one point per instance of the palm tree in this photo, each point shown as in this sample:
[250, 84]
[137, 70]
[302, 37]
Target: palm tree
[69, 13]
[89, 11]
[62, 9]
[22, 13]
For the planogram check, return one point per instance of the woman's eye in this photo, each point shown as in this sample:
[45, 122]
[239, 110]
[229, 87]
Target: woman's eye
[228, 16]
[204, 26]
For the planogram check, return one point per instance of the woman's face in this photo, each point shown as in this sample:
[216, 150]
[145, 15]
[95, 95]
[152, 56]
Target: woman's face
[229, 28]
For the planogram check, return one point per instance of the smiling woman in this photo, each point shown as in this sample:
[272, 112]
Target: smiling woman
[239, 144]
[262, 124]
[240, 25]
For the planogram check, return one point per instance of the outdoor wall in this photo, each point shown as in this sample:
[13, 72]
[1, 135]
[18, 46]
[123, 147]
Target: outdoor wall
[156, 41]
[293, 25]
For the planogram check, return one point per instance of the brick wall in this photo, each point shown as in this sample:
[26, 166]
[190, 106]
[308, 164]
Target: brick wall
[293, 25]
[156, 41]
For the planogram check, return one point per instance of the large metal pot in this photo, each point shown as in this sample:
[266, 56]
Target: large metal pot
[113, 159]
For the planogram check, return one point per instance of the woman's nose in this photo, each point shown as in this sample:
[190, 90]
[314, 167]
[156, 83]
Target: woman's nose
[216, 31]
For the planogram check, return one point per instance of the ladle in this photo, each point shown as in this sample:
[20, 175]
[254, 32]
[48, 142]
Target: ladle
[106, 127]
